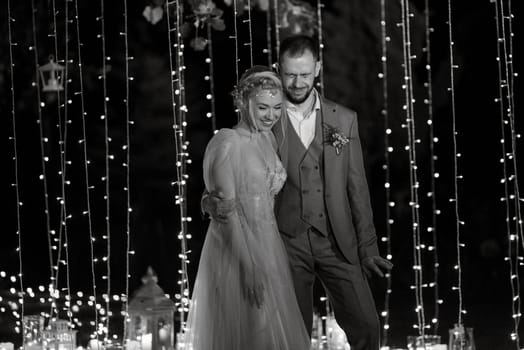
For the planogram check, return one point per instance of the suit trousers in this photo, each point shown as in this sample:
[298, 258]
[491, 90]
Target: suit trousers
[311, 255]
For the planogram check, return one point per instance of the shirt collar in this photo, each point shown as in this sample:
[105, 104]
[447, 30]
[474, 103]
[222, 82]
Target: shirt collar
[316, 105]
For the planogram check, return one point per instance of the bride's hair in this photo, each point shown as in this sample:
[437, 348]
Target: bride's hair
[254, 80]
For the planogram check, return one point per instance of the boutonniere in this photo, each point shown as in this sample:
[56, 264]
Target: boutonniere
[334, 137]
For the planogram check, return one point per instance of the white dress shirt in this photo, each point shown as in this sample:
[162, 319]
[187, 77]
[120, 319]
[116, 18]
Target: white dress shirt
[304, 123]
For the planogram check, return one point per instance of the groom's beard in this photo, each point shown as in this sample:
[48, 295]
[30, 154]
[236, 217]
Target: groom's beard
[297, 99]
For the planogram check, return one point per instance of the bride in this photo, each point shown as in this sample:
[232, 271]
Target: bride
[243, 297]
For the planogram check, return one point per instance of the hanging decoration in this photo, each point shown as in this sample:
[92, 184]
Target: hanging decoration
[51, 76]
[205, 14]
[154, 12]
[16, 184]
[414, 204]
[383, 75]
[509, 138]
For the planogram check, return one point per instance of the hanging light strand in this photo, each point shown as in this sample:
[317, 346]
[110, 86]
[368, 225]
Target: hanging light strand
[456, 177]
[179, 124]
[277, 27]
[43, 140]
[127, 189]
[84, 142]
[250, 30]
[105, 179]
[386, 167]
[414, 185]
[211, 78]
[320, 6]
[235, 37]
[11, 20]
[432, 230]
[268, 50]
[511, 194]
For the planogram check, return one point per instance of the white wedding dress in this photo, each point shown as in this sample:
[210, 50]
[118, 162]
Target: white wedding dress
[220, 316]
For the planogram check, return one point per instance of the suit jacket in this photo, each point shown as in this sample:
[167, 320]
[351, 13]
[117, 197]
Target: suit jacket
[346, 192]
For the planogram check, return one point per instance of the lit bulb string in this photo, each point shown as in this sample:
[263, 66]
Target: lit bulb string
[43, 139]
[513, 246]
[268, 50]
[126, 166]
[250, 43]
[211, 78]
[320, 5]
[65, 181]
[277, 28]
[106, 179]
[414, 185]
[62, 127]
[434, 175]
[184, 160]
[178, 133]
[10, 20]
[84, 143]
[235, 37]
[387, 172]
[455, 200]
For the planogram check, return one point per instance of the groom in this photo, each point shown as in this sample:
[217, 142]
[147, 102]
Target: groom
[324, 211]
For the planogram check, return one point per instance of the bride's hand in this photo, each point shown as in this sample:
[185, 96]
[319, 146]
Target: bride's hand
[253, 286]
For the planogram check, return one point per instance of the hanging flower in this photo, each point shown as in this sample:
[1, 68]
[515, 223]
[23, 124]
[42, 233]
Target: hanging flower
[334, 137]
[198, 43]
[153, 14]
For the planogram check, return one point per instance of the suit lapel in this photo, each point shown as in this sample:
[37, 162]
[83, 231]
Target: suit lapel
[328, 113]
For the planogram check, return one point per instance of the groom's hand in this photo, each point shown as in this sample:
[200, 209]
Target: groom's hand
[218, 207]
[377, 265]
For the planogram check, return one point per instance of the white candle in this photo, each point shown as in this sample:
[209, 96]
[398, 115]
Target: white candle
[147, 341]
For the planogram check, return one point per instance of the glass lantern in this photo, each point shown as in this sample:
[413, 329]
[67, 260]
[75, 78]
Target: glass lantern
[33, 331]
[59, 336]
[51, 75]
[151, 317]
[461, 338]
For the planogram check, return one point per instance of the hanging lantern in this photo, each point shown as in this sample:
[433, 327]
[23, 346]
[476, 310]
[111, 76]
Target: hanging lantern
[59, 336]
[461, 338]
[151, 317]
[51, 76]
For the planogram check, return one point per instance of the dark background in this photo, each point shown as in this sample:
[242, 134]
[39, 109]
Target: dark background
[351, 32]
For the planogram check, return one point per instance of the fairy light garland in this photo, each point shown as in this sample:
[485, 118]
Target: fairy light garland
[211, 79]
[250, 30]
[414, 184]
[456, 176]
[434, 175]
[106, 179]
[277, 27]
[268, 50]
[43, 140]
[386, 167]
[320, 6]
[508, 160]
[83, 141]
[127, 189]
[19, 203]
[235, 37]
[179, 126]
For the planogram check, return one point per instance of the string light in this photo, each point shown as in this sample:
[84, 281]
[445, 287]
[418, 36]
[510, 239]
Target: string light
[434, 175]
[511, 197]
[106, 179]
[19, 203]
[414, 184]
[250, 30]
[320, 6]
[211, 78]
[386, 167]
[127, 189]
[84, 143]
[235, 37]
[43, 140]
[457, 155]
[268, 49]
[277, 27]
[179, 111]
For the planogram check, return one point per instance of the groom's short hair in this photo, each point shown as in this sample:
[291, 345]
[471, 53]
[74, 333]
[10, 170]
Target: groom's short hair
[296, 45]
